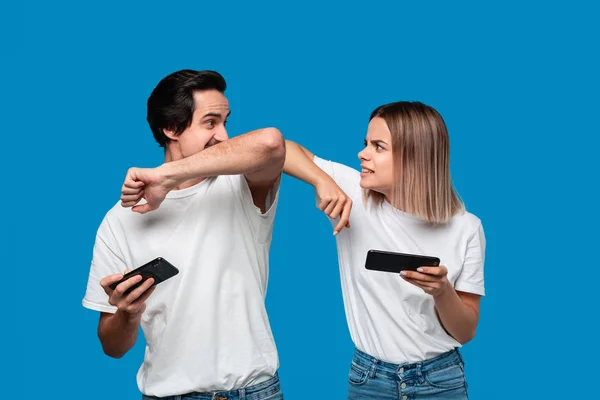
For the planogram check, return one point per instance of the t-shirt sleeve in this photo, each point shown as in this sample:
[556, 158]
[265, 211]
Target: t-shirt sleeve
[106, 260]
[471, 277]
[348, 179]
[262, 223]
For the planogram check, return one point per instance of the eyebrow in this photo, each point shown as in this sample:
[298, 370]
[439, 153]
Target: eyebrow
[216, 115]
[377, 141]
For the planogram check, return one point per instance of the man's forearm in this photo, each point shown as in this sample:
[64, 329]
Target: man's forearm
[118, 332]
[299, 164]
[459, 319]
[242, 155]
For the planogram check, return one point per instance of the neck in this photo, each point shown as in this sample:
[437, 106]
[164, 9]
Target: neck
[172, 154]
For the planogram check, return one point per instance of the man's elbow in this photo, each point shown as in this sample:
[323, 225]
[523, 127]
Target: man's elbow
[273, 143]
[113, 353]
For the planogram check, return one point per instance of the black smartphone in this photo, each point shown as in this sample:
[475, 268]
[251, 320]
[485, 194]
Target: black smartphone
[387, 261]
[159, 269]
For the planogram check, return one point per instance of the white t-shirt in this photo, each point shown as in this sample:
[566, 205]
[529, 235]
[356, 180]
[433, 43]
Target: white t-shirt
[206, 328]
[388, 317]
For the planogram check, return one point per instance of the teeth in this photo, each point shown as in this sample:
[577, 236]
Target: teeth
[367, 171]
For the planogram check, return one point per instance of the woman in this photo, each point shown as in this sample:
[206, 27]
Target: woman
[407, 328]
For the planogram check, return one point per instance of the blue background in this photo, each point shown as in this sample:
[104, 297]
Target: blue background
[516, 83]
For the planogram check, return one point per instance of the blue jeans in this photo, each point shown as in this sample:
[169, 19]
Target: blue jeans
[268, 390]
[441, 377]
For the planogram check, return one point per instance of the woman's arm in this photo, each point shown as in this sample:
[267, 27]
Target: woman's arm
[334, 202]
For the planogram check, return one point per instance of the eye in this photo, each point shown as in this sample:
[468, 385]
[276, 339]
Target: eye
[378, 147]
[211, 123]
[365, 142]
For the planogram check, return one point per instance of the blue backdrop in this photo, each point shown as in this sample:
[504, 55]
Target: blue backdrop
[516, 83]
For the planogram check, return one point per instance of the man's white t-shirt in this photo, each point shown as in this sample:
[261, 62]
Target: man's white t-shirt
[389, 318]
[206, 328]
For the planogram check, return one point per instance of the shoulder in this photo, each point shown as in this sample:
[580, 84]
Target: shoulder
[467, 222]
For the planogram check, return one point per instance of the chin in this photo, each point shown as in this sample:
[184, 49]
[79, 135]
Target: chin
[364, 185]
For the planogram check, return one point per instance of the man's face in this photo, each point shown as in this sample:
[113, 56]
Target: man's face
[207, 127]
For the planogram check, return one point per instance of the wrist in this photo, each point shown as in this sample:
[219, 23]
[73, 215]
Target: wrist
[171, 174]
[320, 179]
[129, 318]
[446, 291]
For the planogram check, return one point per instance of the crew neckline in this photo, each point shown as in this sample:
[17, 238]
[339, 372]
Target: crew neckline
[396, 212]
[178, 194]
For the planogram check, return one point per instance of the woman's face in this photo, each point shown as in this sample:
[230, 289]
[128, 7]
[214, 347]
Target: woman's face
[376, 159]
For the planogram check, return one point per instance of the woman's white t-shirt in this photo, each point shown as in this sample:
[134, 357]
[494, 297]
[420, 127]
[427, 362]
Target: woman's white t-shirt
[389, 318]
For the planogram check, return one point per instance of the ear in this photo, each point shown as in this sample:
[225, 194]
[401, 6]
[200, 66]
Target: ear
[170, 134]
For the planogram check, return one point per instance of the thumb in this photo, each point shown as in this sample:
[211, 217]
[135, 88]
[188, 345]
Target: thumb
[142, 208]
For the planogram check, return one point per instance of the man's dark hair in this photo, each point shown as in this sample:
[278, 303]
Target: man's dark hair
[171, 104]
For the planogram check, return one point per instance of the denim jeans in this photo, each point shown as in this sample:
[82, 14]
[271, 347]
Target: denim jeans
[268, 390]
[441, 377]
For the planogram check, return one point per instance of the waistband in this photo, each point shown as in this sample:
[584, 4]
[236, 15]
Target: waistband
[267, 387]
[417, 368]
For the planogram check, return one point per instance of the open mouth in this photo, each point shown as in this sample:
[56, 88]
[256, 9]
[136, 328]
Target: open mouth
[366, 171]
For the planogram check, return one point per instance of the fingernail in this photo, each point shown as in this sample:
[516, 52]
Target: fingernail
[403, 273]
[335, 233]
[420, 269]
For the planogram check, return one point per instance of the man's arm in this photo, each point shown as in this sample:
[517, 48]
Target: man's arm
[118, 332]
[258, 155]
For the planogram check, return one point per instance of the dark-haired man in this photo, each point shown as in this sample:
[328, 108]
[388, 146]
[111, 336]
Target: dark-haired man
[206, 329]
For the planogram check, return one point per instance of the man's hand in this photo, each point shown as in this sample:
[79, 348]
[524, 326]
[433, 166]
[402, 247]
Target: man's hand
[133, 303]
[334, 203]
[432, 280]
[145, 183]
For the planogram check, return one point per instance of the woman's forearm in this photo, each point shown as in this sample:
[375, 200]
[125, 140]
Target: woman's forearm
[457, 316]
[299, 164]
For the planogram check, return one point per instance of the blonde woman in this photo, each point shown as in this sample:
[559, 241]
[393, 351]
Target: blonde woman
[407, 327]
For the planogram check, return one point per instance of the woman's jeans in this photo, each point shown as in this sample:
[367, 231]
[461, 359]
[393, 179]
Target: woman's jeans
[441, 377]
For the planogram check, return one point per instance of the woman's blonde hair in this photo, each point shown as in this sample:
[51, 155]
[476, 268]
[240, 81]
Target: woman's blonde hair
[421, 157]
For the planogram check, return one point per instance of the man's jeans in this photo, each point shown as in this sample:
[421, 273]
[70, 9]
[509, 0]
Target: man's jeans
[268, 390]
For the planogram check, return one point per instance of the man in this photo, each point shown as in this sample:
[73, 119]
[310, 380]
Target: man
[206, 329]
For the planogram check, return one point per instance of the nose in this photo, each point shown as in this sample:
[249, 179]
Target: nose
[221, 135]
[363, 154]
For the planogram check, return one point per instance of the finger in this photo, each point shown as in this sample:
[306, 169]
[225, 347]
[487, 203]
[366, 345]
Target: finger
[128, 204]
[135, 294]
[142, 209]
[343, 222]
[110, 279]
[420, 276]
[337, 210]
[330, 207]
[422, 284]
[324, 203]
[144, 296]
[439, 271]
[132, 197]
[412, 282]
[345, 218]
[131, 178]
[122, 287]
[133, 184]
[129, 191]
